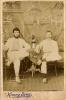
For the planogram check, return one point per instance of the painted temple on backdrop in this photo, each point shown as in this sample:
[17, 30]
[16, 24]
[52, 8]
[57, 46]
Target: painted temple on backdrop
[34, 18]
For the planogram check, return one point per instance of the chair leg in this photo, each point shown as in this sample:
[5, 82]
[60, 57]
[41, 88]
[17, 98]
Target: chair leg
[33, 69]
[32, 73]
[56, 70]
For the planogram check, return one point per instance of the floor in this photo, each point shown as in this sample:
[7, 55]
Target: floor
[55, 83]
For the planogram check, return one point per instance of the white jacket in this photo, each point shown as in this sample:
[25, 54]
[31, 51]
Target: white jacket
[17, 48]
[50, 50]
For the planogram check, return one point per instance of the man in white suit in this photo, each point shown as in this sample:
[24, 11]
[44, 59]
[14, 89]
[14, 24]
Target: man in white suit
[50, 51]
[17, 49]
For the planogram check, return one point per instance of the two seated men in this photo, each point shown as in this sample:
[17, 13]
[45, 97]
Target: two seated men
[18, 49]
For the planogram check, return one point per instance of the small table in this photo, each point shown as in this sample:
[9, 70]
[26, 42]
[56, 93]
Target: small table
[34, 57]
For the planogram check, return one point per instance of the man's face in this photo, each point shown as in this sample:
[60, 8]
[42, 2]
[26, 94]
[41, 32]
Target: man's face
[16, 34]
[48, 35]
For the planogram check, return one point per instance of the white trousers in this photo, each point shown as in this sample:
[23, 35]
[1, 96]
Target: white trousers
[16, 67]
[15, 58]
[44, 67]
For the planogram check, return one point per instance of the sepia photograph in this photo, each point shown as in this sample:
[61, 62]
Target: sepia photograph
[33, 45]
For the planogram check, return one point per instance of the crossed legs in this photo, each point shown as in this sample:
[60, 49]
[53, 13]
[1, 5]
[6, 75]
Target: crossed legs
[16, 69]
[44, 71]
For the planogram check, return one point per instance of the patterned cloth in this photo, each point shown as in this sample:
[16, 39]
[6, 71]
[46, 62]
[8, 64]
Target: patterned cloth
[34, 57]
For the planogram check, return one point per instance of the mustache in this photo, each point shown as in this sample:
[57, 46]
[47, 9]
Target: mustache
[16, 36]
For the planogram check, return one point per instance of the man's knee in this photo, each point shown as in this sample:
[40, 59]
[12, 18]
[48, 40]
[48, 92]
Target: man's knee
[39, 62]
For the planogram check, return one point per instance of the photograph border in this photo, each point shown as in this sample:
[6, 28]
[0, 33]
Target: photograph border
[40, 95]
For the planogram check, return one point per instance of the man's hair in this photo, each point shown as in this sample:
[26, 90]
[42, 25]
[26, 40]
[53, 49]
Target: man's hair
[49, 31]
[16, 29]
